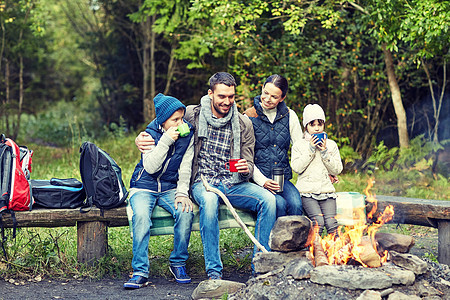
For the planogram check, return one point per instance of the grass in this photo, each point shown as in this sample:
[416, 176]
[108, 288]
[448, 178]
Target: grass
[52, 252]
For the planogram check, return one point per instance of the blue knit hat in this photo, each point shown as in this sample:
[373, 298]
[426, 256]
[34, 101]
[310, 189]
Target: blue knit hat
[165, 106]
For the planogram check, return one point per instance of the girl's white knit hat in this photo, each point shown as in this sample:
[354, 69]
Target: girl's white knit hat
[312, 112]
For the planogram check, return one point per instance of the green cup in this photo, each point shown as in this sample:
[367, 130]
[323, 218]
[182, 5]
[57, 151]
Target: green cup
[183, 129]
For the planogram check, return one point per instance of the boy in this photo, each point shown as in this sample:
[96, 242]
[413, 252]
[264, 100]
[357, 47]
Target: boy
[162, 178]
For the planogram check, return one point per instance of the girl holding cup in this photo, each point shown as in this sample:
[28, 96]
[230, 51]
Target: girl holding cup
[314, 159]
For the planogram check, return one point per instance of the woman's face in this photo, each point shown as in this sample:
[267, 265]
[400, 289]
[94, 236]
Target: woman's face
[315, 127]
[271, 96]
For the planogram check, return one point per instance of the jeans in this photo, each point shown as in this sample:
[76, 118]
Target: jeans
[322, 213]
[289, 201]
[244, 195]
[142, 203]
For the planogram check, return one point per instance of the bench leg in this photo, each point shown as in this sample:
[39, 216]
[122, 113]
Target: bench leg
[444, 242]
[92, 241]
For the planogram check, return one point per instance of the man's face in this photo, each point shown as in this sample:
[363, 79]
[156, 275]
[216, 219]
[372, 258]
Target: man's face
[175, 119]
[222, 99]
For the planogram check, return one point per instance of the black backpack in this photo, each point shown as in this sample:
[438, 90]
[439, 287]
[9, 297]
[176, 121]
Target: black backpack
[58, 193]
[101, 177]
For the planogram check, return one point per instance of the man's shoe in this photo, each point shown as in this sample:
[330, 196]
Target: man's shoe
[135, 282]
[180, 274]
[214, 276]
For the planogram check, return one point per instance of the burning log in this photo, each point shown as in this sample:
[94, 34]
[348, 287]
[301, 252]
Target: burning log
[320, 258]
[369, 255]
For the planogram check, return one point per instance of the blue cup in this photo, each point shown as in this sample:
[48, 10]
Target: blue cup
[320, 136]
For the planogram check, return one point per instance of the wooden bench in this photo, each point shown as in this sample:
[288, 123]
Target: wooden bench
[414, 211]
[92, 227]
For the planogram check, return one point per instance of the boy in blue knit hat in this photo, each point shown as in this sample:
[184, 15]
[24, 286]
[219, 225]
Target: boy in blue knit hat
[162, 178]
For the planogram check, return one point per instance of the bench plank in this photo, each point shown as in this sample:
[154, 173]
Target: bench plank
[414, 211]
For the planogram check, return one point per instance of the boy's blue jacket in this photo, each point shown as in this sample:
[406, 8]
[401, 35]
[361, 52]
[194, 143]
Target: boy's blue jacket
[166, 178]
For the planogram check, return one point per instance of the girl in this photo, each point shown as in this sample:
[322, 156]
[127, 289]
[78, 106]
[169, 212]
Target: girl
[314, 160]
[276, 127]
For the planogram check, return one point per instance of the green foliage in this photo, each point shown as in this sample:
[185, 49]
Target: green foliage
[418, 156]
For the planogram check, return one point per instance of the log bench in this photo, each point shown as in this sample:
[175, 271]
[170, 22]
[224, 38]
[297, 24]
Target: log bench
[414, 211]
[92, 227]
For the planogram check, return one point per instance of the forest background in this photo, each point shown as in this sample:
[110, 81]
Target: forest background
[76, 70]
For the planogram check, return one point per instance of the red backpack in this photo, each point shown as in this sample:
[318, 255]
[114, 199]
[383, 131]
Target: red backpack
[15, 191]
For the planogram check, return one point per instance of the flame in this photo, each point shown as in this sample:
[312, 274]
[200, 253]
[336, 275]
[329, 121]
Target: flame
[347, 244]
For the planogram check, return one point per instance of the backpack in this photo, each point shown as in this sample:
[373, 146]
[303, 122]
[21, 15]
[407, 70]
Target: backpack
[15, 191]
[58, 193]
[101, 177]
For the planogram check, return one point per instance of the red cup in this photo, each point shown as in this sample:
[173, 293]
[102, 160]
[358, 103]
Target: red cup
[231, 164]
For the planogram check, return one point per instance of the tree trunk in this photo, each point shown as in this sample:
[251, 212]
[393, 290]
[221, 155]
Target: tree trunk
[396, 99]
[21, 91]
[148, 69]
[7, 95]
[437, 104]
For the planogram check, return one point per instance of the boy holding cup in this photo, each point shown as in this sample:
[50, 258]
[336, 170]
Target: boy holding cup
[162, 178]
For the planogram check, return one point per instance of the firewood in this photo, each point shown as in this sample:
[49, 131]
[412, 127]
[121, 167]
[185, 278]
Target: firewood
[369, 256]
[320, 258]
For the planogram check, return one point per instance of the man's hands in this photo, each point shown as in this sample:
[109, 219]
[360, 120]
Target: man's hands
[144, 141]
[242, 166]
[186, 203]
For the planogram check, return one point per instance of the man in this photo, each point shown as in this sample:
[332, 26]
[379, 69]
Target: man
[223, 133]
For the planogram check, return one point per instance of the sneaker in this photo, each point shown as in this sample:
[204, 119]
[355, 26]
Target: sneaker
[135, 282]
[180, 274]
[214, 276]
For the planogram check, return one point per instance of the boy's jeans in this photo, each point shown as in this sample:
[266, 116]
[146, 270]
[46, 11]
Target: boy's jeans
[244, 195]
[289, 201]
[142, 203]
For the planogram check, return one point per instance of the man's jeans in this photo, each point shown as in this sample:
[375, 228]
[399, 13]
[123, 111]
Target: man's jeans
[244, 195]
[289, 201]
[142, 203]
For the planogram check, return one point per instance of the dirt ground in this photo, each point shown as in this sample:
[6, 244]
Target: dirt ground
[158, 288]
[111, 289]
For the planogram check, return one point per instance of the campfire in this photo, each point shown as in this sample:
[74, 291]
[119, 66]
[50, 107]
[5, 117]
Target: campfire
[354, 244]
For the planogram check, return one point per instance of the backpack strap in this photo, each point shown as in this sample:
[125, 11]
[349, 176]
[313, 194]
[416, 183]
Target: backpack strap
[87, 205]
[3, 236]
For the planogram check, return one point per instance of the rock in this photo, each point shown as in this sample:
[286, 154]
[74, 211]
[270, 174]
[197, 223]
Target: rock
[369, 256]
[291, 233]
[400, 296]
[386, 292]
[369, 295]
[399, 276]
[426, 290]
[394, 242]
[298, 269]
[266, 262]
[209, 289]
[351, 277]
[409, 262]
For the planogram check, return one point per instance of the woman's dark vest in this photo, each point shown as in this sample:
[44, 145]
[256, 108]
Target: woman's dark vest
[272, 140]
[167, 177]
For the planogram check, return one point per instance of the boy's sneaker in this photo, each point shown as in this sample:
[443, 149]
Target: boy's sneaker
[180, 274]
[135, 282]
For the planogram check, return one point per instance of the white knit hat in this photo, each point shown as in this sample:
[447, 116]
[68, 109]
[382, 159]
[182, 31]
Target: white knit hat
[312, 112]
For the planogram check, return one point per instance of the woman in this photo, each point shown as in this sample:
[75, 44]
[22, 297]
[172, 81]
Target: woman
[276, 127]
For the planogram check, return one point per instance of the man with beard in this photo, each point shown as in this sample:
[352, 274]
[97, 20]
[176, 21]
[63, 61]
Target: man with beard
[222, 133]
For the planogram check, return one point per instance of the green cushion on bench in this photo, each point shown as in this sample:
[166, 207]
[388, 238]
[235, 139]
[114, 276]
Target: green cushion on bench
[347, 205]
[163, 221]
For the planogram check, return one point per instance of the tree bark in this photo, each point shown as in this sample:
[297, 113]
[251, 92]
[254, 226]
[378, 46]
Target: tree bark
[396, 99]
[437, 104]
[148, 69]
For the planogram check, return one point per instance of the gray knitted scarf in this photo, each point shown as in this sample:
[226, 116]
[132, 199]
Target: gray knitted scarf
[206, 117]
